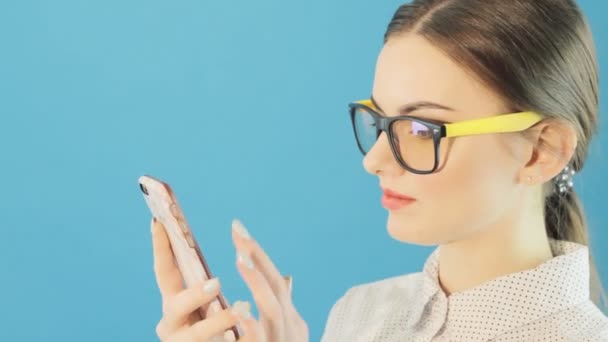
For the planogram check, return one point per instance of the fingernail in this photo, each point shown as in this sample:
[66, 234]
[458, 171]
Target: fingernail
[241, 309]
[240, 229]
[211, 285]
[215, 307]
[229, 336]
[245, 260]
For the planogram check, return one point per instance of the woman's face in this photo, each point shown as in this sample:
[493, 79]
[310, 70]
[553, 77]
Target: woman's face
[476, 185]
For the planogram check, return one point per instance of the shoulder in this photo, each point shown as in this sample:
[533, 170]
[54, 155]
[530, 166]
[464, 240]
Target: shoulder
[581, 322]
[584, 322]
[369, 302]
[381, 290]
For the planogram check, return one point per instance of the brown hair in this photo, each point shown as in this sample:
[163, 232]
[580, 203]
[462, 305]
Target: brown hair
[539, 56]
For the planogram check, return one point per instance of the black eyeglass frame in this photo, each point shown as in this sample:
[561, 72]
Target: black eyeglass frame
[384, 124]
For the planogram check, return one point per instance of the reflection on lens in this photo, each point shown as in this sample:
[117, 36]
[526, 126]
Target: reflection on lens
[414, 143]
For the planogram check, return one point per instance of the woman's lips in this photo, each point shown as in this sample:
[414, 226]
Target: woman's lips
[392, 200]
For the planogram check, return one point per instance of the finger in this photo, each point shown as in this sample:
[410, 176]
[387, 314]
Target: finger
[264, 297]
[229, 336]
[213, 308]
[213, 326]
[248, 246]
[168, 276]
[243, 310]
[177, 309]
[252, 330]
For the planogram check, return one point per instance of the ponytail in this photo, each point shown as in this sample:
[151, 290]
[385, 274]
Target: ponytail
[565, 220]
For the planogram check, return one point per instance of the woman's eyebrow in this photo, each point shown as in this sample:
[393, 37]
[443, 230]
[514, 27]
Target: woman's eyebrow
[414, 106]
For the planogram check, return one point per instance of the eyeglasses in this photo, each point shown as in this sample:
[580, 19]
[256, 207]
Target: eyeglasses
[415, 142]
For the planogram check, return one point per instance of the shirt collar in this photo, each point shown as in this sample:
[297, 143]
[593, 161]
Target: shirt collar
[514, 299]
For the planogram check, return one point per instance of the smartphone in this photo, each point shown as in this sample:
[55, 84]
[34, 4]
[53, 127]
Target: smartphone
[189, 257]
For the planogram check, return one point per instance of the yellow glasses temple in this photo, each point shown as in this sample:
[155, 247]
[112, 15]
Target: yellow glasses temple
[504, 123]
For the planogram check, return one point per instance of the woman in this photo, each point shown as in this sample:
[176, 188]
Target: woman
[482, 112]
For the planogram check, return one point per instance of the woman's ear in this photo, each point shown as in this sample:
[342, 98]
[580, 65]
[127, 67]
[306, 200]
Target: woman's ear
[554, 143]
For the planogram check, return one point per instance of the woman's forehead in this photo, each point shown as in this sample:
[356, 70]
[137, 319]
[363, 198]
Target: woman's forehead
[411, 69]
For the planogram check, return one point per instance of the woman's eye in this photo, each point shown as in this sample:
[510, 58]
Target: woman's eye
[422, 134]
[420, 130]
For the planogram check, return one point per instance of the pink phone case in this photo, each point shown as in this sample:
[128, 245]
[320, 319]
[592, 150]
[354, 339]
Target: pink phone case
[188, 255]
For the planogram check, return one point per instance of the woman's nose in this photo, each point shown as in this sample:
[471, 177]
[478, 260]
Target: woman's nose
[379, 159]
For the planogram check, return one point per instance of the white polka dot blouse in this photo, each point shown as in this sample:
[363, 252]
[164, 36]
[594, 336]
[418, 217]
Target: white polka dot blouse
[550, 302]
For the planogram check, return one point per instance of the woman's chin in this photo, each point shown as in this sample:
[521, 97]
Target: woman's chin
[410, 231]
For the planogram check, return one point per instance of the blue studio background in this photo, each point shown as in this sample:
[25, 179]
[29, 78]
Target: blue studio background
[241, 106]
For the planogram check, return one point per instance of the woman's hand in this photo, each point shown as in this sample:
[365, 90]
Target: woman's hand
[179, 304]
[279, 320]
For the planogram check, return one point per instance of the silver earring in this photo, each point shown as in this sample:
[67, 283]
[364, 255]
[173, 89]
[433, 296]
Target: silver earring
[563, 181]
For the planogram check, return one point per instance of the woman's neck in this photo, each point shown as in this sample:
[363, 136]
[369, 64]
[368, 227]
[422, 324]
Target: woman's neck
[510, 246]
